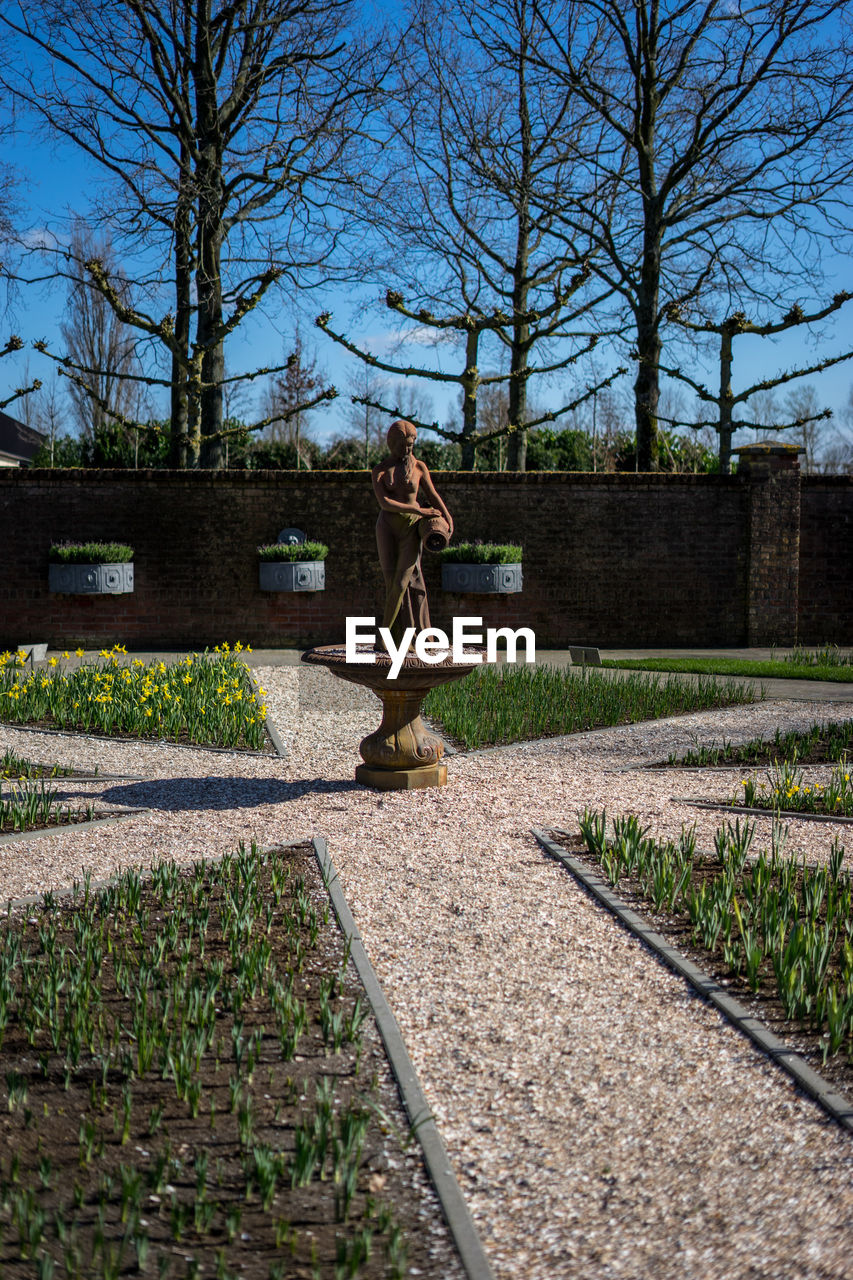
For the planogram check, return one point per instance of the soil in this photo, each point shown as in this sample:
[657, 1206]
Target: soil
[65, 818]
[819, 751]
[763, 1004]
[75, 1139]
[182, 740]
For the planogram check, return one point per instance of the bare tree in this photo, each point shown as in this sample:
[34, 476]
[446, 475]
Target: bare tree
[292, 395]
[721, 137]
[95, 338]
[725, 400]
[226, 127]
[363, 420]
[473, 257]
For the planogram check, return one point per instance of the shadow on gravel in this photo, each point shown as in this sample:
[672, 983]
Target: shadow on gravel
[211, 793]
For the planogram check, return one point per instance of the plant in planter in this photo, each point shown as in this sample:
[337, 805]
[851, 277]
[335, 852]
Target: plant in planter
[482, 567]
[290, 565]
[90, 568]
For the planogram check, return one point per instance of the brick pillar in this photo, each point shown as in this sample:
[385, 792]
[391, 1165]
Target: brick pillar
[772, 472]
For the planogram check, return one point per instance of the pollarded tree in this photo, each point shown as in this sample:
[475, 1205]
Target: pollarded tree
[462, 207]
[468, 378]
[725, 400]
[721, 137]
[225, 128]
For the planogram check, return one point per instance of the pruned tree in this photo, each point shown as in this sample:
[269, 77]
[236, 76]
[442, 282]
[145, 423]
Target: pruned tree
[95, 338]
[14, 344]
[468, 378]
[719, 136]
[725, 400]
[225, 127]
[292, 395]
[461, 209]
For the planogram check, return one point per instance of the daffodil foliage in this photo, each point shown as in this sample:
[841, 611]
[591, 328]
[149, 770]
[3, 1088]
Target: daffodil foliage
[206, 698]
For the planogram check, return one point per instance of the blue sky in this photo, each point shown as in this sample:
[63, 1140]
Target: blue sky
[54, 179]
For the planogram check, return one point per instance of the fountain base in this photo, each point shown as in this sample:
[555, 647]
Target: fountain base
[402, 754]
[430, 775]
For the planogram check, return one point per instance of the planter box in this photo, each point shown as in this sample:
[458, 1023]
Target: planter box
[91, 579]
[493, 579]
[292, 575]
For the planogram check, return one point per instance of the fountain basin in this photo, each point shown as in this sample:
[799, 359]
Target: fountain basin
[402, 754]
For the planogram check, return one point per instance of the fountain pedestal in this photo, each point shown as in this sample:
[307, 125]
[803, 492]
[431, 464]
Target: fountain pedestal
[402, 754]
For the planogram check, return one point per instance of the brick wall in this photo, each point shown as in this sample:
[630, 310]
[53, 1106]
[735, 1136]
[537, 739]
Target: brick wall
[826, 560]
[611, 560]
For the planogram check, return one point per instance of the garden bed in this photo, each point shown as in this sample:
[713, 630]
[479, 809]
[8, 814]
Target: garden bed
[195, 1087]
[204, 699]
[512, 703]
[717, 908]
[823, 743]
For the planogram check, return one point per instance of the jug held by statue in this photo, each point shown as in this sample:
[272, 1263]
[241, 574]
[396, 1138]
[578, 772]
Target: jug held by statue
[435, 532]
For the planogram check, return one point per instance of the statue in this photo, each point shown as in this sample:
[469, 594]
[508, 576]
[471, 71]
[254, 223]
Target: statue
[403, 527]
[402, 753]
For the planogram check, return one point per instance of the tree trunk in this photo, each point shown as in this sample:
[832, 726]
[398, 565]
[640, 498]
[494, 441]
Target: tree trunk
[647, 384]
[209, 341]
[470, 387]
[520, 351]
[179, 422]
[726, 401]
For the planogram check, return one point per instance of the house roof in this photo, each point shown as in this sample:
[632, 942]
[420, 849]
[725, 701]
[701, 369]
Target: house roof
[18, 442]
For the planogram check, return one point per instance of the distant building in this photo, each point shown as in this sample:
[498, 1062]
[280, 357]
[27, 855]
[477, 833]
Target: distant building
[18, 442]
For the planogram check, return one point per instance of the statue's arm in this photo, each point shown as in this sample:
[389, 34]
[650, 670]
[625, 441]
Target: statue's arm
[433, 494]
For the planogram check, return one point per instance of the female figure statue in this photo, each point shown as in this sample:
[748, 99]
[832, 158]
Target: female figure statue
[403, 522]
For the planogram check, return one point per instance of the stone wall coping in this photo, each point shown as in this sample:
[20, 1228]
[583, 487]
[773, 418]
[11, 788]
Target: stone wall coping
[121, 475]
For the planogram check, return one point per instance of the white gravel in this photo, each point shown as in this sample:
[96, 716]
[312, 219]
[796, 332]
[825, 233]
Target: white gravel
[602, 1121]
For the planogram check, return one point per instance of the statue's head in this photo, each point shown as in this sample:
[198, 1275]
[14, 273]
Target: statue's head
[401, 437]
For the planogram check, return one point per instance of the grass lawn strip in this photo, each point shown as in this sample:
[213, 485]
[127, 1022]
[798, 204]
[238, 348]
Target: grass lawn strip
[750, 668]
[825, 1093]
[499, 705]
[194, 1086]
[776, 930]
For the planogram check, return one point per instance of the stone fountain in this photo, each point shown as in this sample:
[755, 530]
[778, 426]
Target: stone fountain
[402, 754]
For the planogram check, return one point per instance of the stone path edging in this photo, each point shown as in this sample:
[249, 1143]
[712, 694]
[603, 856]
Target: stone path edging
[825, 1094]
[71, 732]
[698, 803]
[450, 1197]
[14, 837]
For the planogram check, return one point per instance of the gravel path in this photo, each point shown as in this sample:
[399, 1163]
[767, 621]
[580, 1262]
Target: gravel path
[602, 1121]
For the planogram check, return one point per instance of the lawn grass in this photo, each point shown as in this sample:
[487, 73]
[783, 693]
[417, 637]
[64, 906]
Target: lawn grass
[510, 703]
[194, 1086]
[205, 698]
[769, 670]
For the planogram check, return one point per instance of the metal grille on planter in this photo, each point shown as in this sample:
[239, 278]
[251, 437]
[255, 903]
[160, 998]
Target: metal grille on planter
[495, 579]
[91, 579]
[292, 575]
[297, 575]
